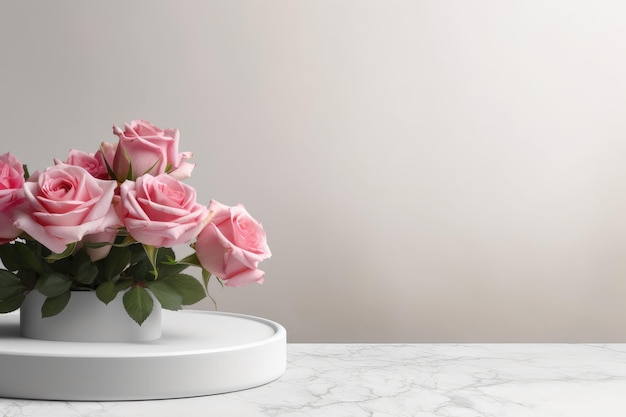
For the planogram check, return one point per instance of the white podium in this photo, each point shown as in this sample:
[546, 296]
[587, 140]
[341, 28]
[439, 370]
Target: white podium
[199, 353]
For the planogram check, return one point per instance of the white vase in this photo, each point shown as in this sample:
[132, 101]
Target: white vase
[87, 319]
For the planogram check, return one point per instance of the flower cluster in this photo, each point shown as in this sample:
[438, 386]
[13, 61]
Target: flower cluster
[106, 221]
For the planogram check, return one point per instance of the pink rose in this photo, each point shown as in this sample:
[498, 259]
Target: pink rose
[146, 149]
[93, 163]
[63, 204]
[232, 245]
[107, 153]
[11, 181]
[160, 211]
[11, 195]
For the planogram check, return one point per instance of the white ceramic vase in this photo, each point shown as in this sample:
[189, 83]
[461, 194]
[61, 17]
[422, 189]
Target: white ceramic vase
[87, 319]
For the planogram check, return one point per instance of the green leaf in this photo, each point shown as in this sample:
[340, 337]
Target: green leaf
[138, 253]
[191, 260]
[54, 305]
[122, 284]
[168, 295]
[166, 263]
[83, 269]
[138, 304]
[53, 284]
[127, 241]
[108, 290]
[28, 278]
[11, 304]
[140, 265]
[190, 288]
[165, 255]
[27, 256]
[113, 265]
[9, 257]
[18, 256]
[96, 245]
[10, 285]
[63, 266]
[86, 273]
[167, 269]
[69, 249]
[139, 271]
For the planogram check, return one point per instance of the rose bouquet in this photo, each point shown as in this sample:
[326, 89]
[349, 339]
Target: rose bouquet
[107, 222]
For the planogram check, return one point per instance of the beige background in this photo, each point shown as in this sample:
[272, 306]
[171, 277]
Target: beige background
[425, 170]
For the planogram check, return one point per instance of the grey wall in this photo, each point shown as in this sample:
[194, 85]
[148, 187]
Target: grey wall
[425, 170]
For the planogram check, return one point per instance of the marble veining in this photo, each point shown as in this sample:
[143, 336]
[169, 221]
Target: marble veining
[447, 380]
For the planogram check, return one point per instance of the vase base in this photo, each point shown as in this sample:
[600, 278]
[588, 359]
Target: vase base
[199, 353]
[87, 319]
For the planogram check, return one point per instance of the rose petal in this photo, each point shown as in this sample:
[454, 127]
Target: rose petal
[245, 277]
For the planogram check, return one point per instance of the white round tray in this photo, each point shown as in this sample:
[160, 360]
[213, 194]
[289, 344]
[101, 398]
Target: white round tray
[200, 353]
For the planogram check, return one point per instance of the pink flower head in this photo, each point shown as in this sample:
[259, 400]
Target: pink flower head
[146, 149]
[232, 245]
[63, 204]
[93, 163]
[160, 211]
[11, 195]
[107, 153]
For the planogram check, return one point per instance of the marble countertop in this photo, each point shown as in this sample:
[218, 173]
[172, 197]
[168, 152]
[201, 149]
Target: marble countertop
[402, 380]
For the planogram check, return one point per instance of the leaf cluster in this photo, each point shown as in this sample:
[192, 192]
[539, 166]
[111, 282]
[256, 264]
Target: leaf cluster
[139, 272]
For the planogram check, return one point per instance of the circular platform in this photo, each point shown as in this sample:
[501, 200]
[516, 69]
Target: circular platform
[200, 353]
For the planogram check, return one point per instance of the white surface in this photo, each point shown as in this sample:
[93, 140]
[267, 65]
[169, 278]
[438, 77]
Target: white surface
[87, 319]
[199, 353]
[441, 380]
